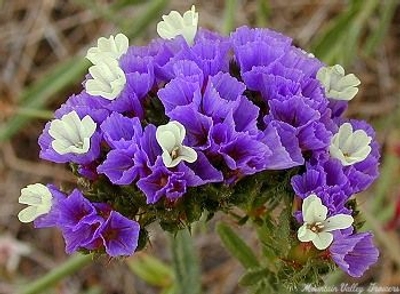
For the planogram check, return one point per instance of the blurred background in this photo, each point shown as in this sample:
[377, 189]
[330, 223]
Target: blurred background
[42, 48]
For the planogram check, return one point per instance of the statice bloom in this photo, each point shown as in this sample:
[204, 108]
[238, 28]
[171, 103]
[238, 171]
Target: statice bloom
[70, 139]
[94, 227]
[43, 205]
[113, 47]
[317, 227]
[355, 253]
[180, 127]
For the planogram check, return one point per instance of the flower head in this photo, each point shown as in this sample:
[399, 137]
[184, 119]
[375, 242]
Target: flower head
[354, 254]
[113, 47]
[174, 25]
[120, 235]
[108, 79]
[317, 227]
[170, 138]
[39, 199]
[337, 85]
[350, 147]
[71, 134]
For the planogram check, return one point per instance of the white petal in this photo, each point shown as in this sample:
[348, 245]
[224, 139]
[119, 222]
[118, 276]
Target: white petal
[338, 222]
[305, 235]
[348, 146]
[72, 135]
[35, 194]
[28, 214]
[166, 140]
[174, 25]
[322, 240]
[337, 85]
[122, 43]
[108, 79]
[167, 159]
[349, 81]
[108, 48]
[324, 77]
[313, 210]
[344, 133]
[308, 200]
[88, 126]
[188, 154]
[179, 131]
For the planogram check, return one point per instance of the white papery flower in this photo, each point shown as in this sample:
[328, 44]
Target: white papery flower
[170, 138]
[71, 134]
[174, 25]
[108, 79]
[113, 47]
[348, 146]
[337, 85]
[39, 199]
[317, 228]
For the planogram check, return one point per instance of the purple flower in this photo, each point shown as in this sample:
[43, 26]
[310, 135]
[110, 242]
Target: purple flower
[121, 132]
[120, 166]
[282, 141]
[354, 254]
[83, 235]
[197, 125]
[162, 182]
[120, 235]
[258, 47]
[74, 209]
[139, 73]
[179, 92]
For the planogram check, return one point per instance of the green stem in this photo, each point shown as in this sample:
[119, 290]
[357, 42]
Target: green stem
[186, 267]
[229, 15]
[136, 26]
[73, 264]
[35, 113]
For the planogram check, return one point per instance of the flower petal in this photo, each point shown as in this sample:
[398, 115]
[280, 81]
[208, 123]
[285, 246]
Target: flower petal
[338, 222]
[322, 240]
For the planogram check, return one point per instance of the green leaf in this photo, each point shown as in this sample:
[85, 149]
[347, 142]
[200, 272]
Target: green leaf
[187, 272]
[275, 238]
[338, 42]
[151, 270]
[237, 247]
[387, 11]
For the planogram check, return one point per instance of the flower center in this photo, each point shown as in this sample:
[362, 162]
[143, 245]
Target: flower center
[317, 227]
[79, 144]
[175, 153]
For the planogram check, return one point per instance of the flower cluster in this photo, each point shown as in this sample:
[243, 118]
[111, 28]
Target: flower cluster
[194, 110]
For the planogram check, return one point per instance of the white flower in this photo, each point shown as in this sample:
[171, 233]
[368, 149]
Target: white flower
[337, 85]
[348, 146]
[108, 79]
[113, 47]
[174, 25]
[170, 138]
[39, 199]
[317, 227]
[71, 134]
